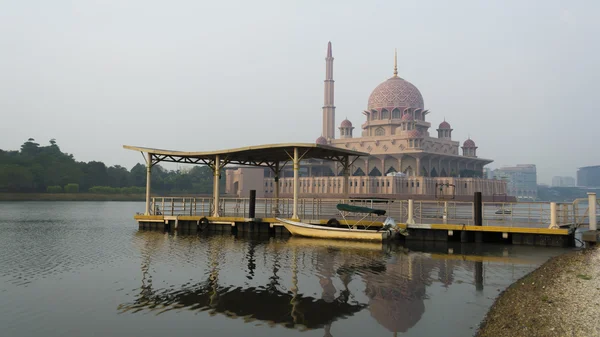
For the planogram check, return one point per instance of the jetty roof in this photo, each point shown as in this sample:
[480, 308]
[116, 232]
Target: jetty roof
[260, 155]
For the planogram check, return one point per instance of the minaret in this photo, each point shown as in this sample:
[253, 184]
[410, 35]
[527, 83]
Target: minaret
[328, 107]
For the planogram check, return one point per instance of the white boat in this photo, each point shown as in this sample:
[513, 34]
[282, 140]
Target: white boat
[325, 232]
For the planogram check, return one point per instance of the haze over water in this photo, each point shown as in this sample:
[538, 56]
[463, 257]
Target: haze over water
[84, 269]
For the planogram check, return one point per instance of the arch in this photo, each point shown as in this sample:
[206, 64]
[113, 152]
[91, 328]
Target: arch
[390, 170]
[385, 114]
[433, 173]
[424, 171]
[374, 114]
[396, 114]
[408, 171]
[443, 173]
[380, 131]
[359, 172]
[375, 172]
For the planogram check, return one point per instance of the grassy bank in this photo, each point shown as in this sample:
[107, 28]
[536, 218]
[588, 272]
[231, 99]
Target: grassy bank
[70, 197]
[560, 298]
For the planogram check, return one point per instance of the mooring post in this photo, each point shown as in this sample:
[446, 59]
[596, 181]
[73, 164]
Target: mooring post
[252, 206]
[478, 215]
[553, 215]
[410, 220]
[148, 180]
[592, 211]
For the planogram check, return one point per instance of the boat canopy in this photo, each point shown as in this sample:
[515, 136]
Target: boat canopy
[359, 209]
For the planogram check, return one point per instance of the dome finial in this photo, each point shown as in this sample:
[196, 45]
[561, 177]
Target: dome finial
[395, 63]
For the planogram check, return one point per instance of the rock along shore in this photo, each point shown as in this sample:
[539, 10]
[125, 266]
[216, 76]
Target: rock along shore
[560, 298]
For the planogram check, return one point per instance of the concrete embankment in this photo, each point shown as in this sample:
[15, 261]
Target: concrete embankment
[560, 298]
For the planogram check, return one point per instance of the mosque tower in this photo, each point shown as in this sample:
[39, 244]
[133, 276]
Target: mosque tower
[328, 107]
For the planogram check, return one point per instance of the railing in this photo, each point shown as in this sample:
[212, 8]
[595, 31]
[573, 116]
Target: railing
[519, 214]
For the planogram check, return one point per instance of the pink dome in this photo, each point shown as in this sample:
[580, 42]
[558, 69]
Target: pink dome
[469, 143]
[346, 124]
[395, 92]
[321, 140]
[444, 125]
[414, 134]
[407, 117]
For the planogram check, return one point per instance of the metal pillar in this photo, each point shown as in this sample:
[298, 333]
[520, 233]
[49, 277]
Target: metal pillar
[216, 173]
[148, 181]
[276, 208]
[592, 211]
[410, 220]
[296, 184]
[346, 171]
[478, 215]
[553, 215]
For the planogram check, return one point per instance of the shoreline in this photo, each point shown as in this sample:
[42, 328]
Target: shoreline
[559, 298]
[70, 197]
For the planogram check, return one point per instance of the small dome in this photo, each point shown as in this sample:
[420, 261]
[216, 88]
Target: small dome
[321, 141]
[414, 134]
[346, 124]
[469, 143]
[444, 125]
[407, 117]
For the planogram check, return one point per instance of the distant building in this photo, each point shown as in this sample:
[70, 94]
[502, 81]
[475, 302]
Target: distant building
[563, 181]
[588, 176]
[521, 180]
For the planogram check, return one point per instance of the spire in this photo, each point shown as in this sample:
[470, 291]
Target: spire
[329, 50]
[395, 63]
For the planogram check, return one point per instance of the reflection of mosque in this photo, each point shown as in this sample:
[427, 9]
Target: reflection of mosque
[395, 284]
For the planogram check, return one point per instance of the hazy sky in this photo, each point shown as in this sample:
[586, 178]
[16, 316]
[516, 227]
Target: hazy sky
[520, 77]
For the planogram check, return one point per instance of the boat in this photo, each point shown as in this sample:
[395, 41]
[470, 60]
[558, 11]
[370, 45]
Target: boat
[350, 232]
[325, 232]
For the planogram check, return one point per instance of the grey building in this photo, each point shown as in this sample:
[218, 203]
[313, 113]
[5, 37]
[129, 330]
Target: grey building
[588, 176]
[563, 181]
[521, 181]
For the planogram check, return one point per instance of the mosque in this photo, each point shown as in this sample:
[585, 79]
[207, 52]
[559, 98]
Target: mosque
[405, 161]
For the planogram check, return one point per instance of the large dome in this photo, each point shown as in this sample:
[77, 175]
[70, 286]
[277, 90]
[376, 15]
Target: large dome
[396, 92]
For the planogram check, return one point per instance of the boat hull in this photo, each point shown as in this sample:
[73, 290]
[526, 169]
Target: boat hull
[323, 232]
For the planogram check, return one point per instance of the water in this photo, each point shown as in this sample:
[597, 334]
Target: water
[83, 269]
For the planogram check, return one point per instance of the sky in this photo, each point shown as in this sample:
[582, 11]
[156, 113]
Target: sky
[521, 78]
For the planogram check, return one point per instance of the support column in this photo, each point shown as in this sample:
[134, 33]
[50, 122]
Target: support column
[148, 181]
[418, 168]
[296, 185]
[383, 166]
[276, 210]
[592, 211]
[553, 215]
[478, 215]
[216, 173]
[410, 220]
[346, 173]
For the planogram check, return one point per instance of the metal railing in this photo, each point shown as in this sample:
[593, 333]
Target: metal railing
[517, 214]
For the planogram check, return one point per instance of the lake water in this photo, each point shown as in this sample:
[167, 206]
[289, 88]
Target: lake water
[84, 269]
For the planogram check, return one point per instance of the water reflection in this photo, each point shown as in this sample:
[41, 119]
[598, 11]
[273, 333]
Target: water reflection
[303, 283]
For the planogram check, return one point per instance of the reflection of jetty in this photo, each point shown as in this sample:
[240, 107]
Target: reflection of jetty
[387, 280]
[542, 224]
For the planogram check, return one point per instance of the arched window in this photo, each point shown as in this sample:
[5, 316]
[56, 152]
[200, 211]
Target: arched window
[374, 115]
[385, 114]
[341, 132]
[395, 114]
[379, 132]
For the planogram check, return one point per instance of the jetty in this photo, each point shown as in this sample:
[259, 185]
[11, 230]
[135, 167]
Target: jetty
[525, 223]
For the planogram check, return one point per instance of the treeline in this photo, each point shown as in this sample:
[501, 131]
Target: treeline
[36, 168]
